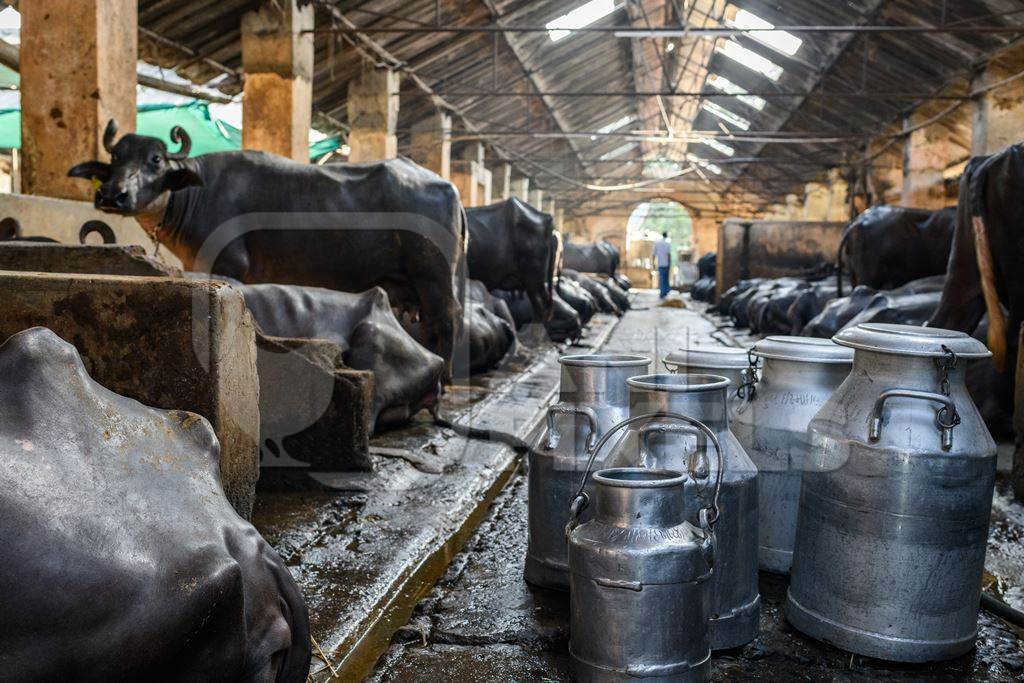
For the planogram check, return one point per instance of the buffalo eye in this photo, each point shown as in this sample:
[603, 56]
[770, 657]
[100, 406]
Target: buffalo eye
[155, 159]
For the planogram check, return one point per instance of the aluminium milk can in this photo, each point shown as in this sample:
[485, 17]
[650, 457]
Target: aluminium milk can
[797, 376]
[728, 361]
[593, 397]
[640, 574]
[735, 602]
[895, 501]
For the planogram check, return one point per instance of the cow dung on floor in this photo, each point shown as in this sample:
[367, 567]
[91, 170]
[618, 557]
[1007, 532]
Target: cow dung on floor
[120, 556]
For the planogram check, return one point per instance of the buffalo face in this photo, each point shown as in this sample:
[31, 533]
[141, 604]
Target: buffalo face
[140, 171]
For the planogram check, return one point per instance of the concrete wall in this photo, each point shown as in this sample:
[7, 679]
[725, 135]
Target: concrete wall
[62, 218]
[773, 248]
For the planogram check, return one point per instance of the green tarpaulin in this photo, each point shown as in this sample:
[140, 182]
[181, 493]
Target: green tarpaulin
[156, 120]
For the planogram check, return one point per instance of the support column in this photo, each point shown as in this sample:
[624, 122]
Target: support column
[536, 198]
[816, 201]
[432, 144]
[705, 235]
[838, 193]
[466, 174]
[998, 116]
[929, 152]
[503, 182]
[549, 206]
[373, 114]
[78, 61]
[278, 61]
[521, 189]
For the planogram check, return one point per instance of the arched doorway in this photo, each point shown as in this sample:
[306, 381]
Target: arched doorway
[646, 224]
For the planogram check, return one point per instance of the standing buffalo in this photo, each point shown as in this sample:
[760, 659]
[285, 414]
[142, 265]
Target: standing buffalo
[258, 217]
[599, 257]
[120, 556]
[510, 247]
[888, 246]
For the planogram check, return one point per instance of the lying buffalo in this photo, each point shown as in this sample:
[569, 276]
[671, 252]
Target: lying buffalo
[598, 257]
[617, 293]
[579, 298]
[121, 556]
[488, 331]
[510, 247]
[887, 246]
[597, 290]
[564, 324]
[258, 218]
[10, 230]
[883, 306]
[407, 377]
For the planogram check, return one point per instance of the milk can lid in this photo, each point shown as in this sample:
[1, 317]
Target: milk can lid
[606, 360]
[802, 350]
[707, 356]
[911, 340]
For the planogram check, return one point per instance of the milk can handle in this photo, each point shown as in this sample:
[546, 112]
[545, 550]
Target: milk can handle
[581, 500]
[567, 409]
[946, 417]
[699, 472]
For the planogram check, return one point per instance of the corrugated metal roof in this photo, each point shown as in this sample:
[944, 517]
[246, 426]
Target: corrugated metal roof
[200, 40]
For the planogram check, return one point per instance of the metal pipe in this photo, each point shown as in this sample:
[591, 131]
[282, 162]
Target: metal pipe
[715, 31]
[698, 94]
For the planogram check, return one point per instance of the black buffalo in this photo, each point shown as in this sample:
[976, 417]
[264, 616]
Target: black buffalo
[120, 556]
[598, 257]
[885, 306]
[10, 231]
[598, 291]
[262, 218]
[488, 331]
[564, 323]
[579, 298]
[407, 377]
[510, 247]
[989, 205]
[888, 246]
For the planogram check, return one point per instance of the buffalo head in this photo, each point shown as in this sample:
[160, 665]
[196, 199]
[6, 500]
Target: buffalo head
[140, 170]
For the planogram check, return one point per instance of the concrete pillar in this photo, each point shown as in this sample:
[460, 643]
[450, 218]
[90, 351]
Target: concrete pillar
[373, 114]
[794, 209]
[432, 144]
[468, 175]
[78, 61]
[536, 198]
[705, 235]
[839, 201]
[559, 219]
[998, 116]
[816, 202]
[503, 182]
[929, 152]
[278, 61]
[521, 188]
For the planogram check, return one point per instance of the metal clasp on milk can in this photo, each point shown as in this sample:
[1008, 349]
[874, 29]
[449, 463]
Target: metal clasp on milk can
[638, 557]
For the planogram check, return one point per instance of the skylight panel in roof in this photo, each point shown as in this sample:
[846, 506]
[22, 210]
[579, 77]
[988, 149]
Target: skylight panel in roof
[726, 115]
[582, 16]
[615, 125]
[720, 147]
[780, 41]
[704, 163]
[661, 168]
[618, 151]
[750, 59]
[723, 84]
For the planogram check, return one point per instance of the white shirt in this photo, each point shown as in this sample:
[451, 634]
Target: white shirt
[663, 253]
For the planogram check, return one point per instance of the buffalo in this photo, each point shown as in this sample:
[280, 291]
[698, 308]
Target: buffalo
[598, 257]
[598, 291]
[488, 332]
[579, 298]
[121, 556]
[888, 246]
[407, 377]
[510, 247]
[261, 218]
[564, 323]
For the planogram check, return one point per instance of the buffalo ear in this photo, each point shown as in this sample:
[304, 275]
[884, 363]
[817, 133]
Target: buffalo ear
[91, 169]
[180, 178]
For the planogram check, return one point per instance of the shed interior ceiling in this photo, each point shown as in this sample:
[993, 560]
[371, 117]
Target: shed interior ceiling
[547, 105]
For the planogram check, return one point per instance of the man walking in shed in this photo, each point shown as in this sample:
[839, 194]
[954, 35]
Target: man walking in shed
[663, 259]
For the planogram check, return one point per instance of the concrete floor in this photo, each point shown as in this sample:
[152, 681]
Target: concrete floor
[482, 622]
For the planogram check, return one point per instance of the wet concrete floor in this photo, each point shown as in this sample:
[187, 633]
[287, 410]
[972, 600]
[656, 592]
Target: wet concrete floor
[482, 622]
[364, 547]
